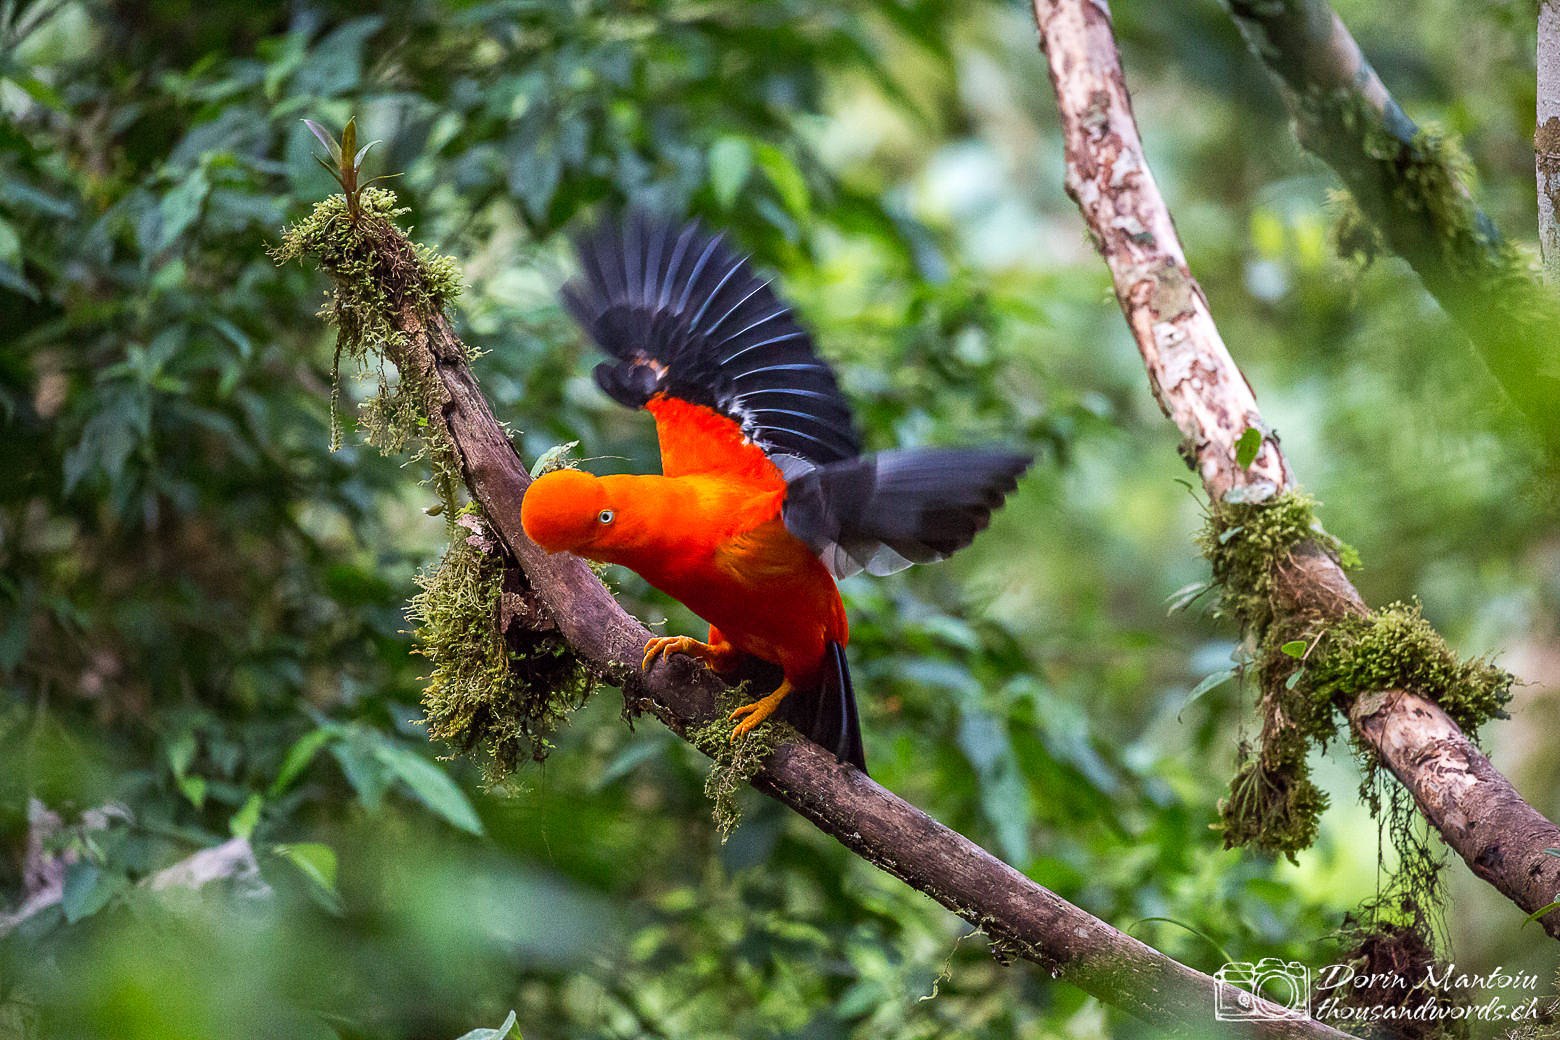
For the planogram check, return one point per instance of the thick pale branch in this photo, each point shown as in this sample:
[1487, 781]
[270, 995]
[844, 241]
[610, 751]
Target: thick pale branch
[1408, 184]
[1198, 385]
[1546, 137]
[1022, 918]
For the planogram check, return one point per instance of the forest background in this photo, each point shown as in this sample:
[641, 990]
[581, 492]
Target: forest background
[202, 606]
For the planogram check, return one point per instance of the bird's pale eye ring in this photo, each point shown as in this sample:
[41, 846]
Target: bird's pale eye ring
[605, 516]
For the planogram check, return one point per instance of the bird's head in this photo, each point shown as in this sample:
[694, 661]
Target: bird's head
[566, 511]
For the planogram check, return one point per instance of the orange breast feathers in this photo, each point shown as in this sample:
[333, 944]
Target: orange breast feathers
[715, 542]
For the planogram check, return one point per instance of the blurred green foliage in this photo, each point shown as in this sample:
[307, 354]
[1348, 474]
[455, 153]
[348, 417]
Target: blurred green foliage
[202, 617]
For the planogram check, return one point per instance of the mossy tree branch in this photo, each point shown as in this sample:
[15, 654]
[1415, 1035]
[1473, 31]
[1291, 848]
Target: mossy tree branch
[1200, 388]
[1021, 918]
[1410, 184]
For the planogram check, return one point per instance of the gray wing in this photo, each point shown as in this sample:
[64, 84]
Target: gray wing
[881, 513]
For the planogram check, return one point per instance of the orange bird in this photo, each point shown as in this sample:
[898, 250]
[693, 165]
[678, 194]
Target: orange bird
[764, 497]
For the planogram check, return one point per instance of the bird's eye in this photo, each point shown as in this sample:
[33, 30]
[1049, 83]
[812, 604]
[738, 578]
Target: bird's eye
[605, 516]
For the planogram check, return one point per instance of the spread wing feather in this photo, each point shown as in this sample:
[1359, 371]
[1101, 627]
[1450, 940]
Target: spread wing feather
[881, 513]
[681, 314]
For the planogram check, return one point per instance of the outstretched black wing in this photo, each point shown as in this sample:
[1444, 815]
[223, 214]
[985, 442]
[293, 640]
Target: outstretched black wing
[881, 513]
[683, 315]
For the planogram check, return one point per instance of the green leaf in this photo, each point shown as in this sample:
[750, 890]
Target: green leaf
[1004, 799]
[1542, 911]
[1210, 682]
[299, 756]
[317, 862]
[787, 179]
[1204, 936]
[181, 207]
[501, 1033]
[1247, 447]
[1552, 852]
[1186, 595]
[325, 138]
[1294, 679]
[11, 278]
[39, 91]
[10, 245]
[181, 752]
[88, 889]
[357, 160]
[243, 823]
[430, 785]
[731, 163]
[359, 760]
[1295, 648]
[348, 142]
[193, 788]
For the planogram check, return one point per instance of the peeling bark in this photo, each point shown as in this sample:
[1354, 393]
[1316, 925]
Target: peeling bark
[1474, 807]
[1190, 371]
[1546, 137]
[1197, 384]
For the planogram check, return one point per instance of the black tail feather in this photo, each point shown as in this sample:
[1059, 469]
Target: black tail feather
[827, 716]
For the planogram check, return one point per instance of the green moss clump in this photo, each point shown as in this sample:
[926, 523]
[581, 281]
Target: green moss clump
[380, 281]
[1310, 669]
[501, 683]
[734, 763]
[1397, 649]
[1354, 237]
[1273, 804]
[1243, 541]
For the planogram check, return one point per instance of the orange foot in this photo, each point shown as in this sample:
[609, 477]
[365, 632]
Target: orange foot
[660, 646]
[758, 711]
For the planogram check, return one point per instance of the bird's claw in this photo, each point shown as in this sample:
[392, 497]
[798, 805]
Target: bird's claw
[660, 646]
[754, 714]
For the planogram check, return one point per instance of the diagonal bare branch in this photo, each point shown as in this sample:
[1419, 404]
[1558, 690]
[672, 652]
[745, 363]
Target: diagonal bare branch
[1481, 816]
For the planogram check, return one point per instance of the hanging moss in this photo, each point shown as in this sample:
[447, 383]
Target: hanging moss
[1354, 236]
[1399, 172]
[501, 682]
[377, 274]
[1273, 805]
[734, 763]
[1310, 670]
[1393, 962]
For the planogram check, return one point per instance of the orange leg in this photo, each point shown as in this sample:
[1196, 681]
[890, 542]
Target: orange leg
[755, 713]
